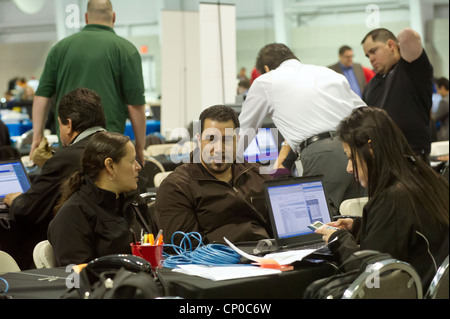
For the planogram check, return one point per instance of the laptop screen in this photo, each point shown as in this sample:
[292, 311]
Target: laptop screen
[263, 147]
[13, 178]
[294, 204]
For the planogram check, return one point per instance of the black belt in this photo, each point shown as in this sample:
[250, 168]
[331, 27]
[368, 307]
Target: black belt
[316, 138]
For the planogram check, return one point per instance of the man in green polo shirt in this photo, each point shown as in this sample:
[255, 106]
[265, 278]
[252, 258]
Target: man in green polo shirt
[98, 59]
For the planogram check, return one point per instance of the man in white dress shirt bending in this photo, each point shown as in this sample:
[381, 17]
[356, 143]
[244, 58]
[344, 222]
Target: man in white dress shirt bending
[306, 103]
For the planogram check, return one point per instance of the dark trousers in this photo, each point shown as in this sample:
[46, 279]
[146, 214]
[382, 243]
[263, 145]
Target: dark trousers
[326, 157]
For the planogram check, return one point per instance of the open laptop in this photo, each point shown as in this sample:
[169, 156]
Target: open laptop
[294, 204]
[13, 178]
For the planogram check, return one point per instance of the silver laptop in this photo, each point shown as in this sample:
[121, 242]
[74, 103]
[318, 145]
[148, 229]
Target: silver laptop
[13, 178]
[294, 204]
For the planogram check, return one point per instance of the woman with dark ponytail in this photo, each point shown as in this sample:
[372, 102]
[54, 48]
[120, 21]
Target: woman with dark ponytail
[97, 215]
[407, 214]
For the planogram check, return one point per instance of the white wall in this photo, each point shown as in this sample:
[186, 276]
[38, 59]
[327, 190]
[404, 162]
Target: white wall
[438, 46]
[217, 54]
[181, 98]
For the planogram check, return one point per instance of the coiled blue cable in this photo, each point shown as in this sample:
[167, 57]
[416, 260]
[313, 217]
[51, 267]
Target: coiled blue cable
[186, 254]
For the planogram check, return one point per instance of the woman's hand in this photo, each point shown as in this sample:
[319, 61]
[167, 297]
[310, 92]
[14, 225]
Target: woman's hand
[325, 232]
[344, 223]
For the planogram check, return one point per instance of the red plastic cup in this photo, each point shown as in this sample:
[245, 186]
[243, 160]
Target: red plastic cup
[153, 254]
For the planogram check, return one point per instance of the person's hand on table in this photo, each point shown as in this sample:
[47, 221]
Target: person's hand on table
[10, 197]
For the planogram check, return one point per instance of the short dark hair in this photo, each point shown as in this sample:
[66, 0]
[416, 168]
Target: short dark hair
[344, 48]
[380, 35]
[245, 83]
[83, 107]
[442, 82]
[220, 113]
[273, 55]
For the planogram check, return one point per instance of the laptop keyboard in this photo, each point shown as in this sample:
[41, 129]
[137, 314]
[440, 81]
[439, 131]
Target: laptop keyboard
[312, 246]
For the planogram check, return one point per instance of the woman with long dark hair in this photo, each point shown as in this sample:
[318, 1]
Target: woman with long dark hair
[407, 214]
[97, 215]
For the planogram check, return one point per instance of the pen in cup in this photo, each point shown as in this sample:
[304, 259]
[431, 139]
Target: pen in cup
[148, 238]
[151, 239]
[159, 238]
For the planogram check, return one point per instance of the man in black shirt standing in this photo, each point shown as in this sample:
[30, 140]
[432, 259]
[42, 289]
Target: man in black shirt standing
[403, 85]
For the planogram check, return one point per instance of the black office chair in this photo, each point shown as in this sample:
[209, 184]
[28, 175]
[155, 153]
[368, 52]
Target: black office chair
[151, 168]
[152, 139]
[386, 279]
[439, 285]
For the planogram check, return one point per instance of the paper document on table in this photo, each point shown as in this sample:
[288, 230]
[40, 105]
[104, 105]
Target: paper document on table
[242, 253]
[282, 258]
[290, 256]
[218, 273]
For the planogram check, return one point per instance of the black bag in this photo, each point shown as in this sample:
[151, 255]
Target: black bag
[115, 284]
[333, 287]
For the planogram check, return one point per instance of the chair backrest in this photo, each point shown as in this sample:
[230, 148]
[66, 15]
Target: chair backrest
[171, 149]
[159, 177]
[7, 263]
[25, 139]
[439, 148]
[151, 168]
[386, 279]
[43, 255]
[152, 139]
[353, 206]
[159, 149]
[439, 285]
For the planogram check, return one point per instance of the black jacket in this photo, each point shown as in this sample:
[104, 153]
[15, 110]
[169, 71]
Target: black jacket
[4, 134]
[390, 225]
[192, 200]
[93, 223]
[406, 95]
[32, 211]
[36, 205]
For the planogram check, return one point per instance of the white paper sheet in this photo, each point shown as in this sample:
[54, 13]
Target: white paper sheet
[242, 253]
[282, 258]
[218, 273]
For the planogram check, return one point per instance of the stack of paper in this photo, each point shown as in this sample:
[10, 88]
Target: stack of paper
[270, 264]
